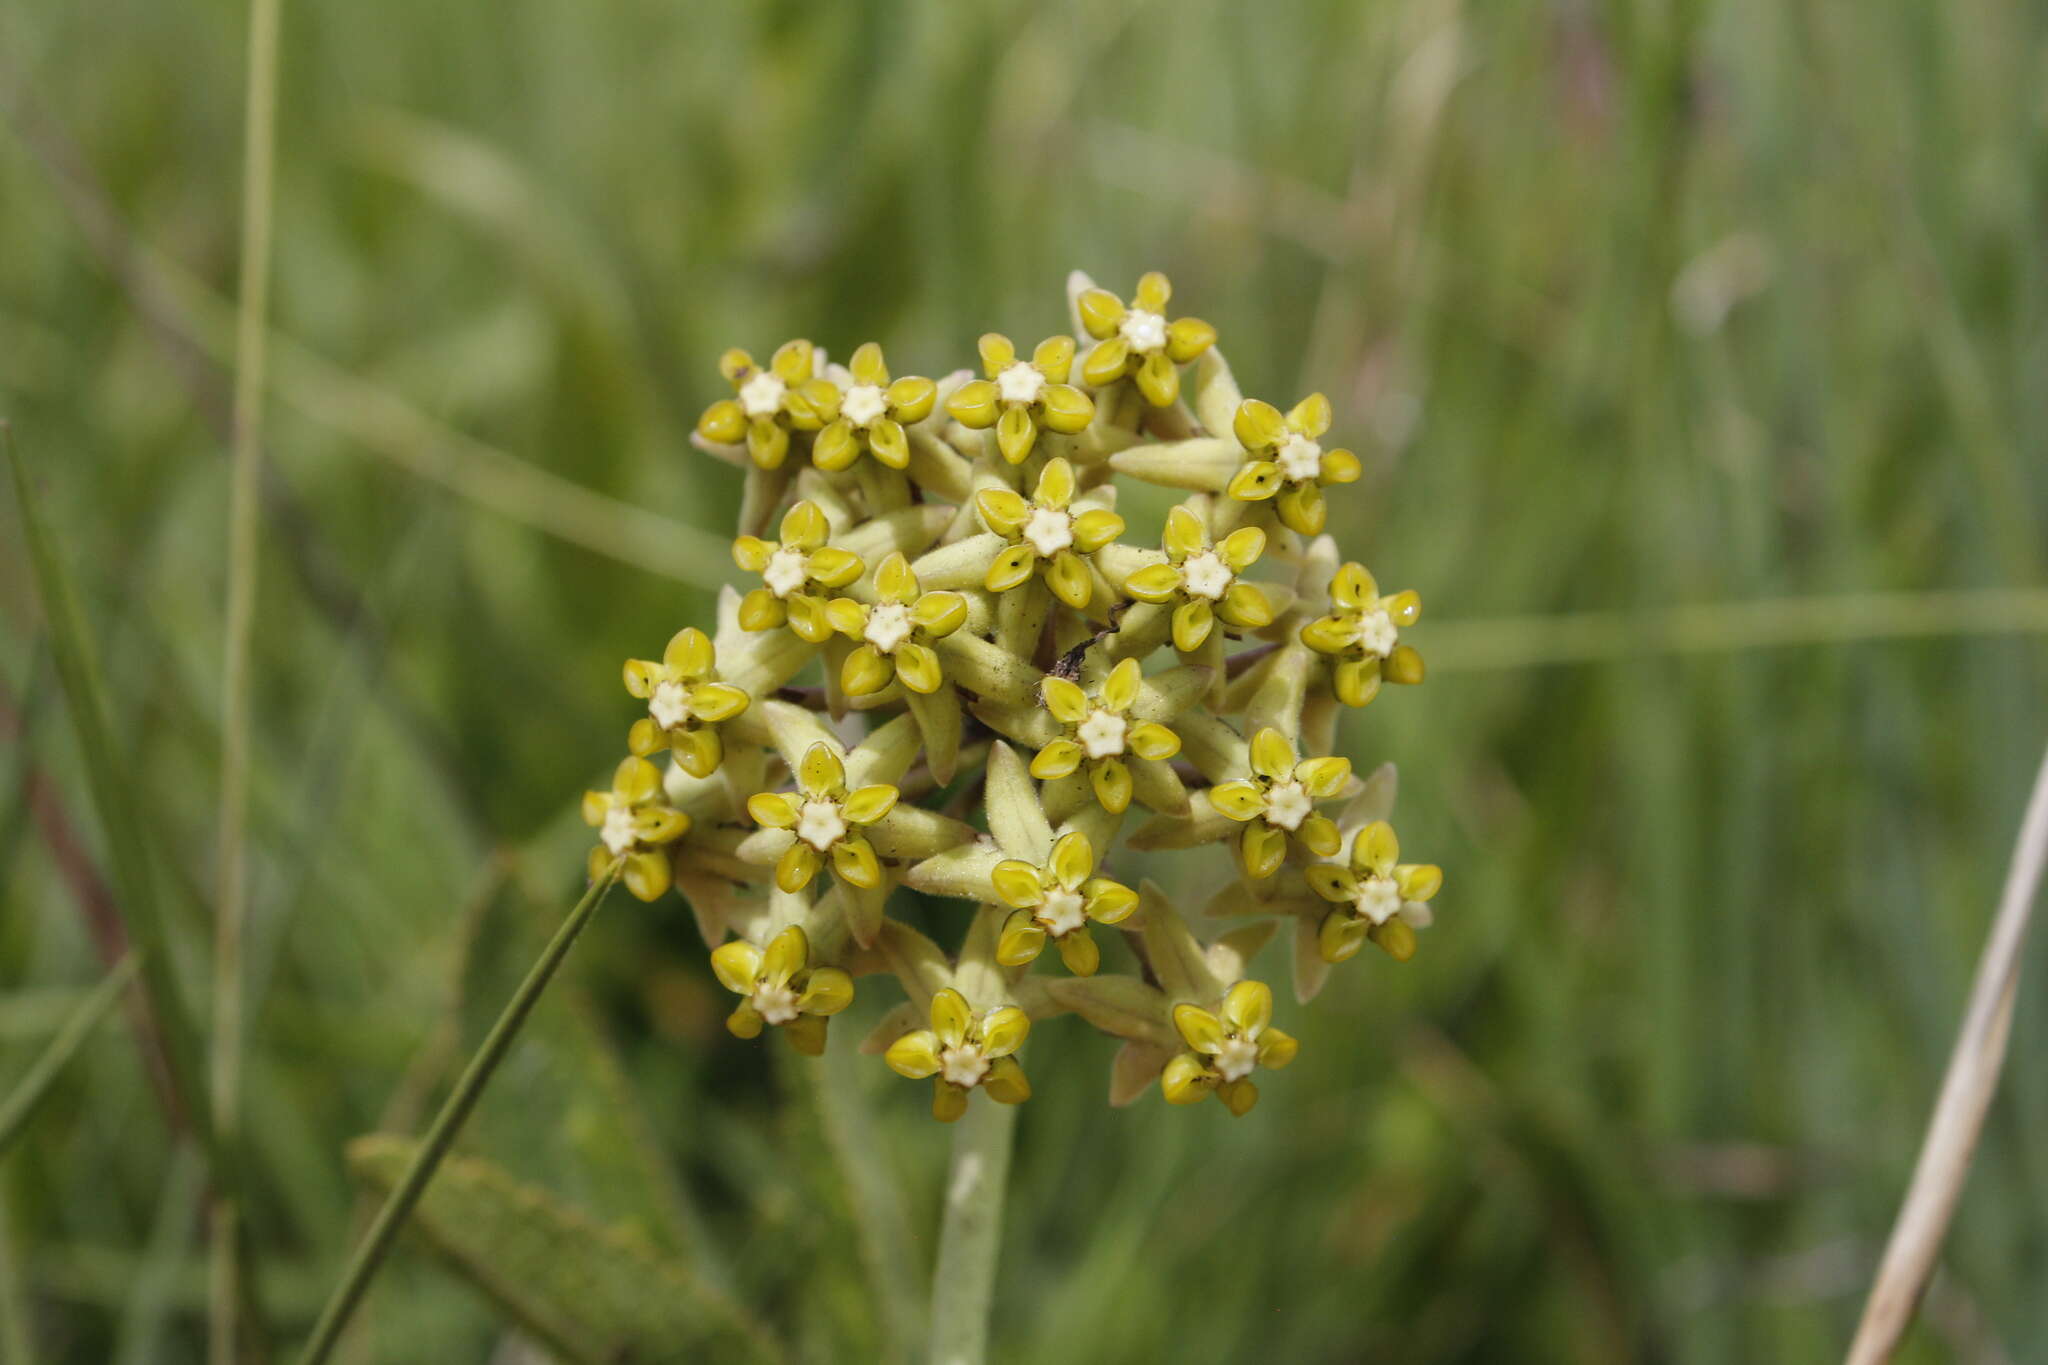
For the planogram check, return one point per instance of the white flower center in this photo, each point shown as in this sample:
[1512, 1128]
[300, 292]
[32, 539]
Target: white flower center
[1020, 383]
[1050, 530]
[963, 1066]
[821, 825]
[1300, 458]
[787, 569]
[1144, 331]
[776, 1004]
[1288, 804]
[761, 396]
[1378, 898]
[1236, 1058]
[863, 405]
[888, 626]
[618, 833]
[1206, 575]
[1060, 912]
[1376, 632]
[670, 705]
[1102, 734]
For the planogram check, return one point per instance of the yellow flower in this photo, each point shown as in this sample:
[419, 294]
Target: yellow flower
[770, 404]
[685, 703]
[632, 822]
[870, 415]
[1362, 636]
[794, 573]
[826, 819]
[1285, 455]
[1204, 579]
[1057, 901]
[1378, 896]
[1021, 398]
[1225, 1048]
[1279, 800]
[960, 1052]
[1100, 733]
[1045, 536]
[1140, 341]
[895, 633]
[780, 987]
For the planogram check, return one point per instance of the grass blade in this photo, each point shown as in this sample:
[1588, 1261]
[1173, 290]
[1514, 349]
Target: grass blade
[91, 1011]
[441, 1134]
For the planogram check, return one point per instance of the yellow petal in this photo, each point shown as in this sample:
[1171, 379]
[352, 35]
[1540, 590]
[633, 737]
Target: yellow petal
[1248, 1007]
[1404, 665]
[1245, 607]
[1185, 1080]
[1053, 357]
[1056, 485]
[1185, 534]
[1012, 567]
[1153, 583]
[767, 442]
[1073, 859]
[1311, 416]
[1237, 800]
[1158, 380]
[1356, 683]
[772, 810]
[1065, 409]
[865, 672]
[1021, 940]
[1005, 1082]
[821, 773]
[753, 553]
[1328, 634]
[1277, 1049]
[1302, 509]
[1003, 510]
[1396, 938]
[918, 667]
[1419, 881]
[973, 404]
[997, 353]
[1187, 338]
[939, 614]
[1404, 607]
[1238, 1096]
[915, 1054]
[1352, 587]
[829, 991]
[1100, 311]
[1201, 1030]
[1332, 881]
[1056, 760]
[689, 653]
[1255, 482]
[762, 610]
[848, 617]
[950, 1017]
[894, 581]
[1192, 622]
[796, 867]
[1154, 289]
[737, 965]
[1260, 849]
[1016, 433]
[804, 526]
[1107, 362]
[1095, 528]
[808, 618]
[1376, 849]
[806, 1033]
[1017, 883]
[647, 874]
[890, 445]
[1272, 755]
[1341, 936]
[1069, 579]
[787, 953]
[1324, 777]
[1341, 466]
[854, 862]
[636, 781]
[641, 676]
[745, 1021]
[1111, 782]
[831, 567]
[912, 398]
[1258, 425]
[1079, 952]
[1065, 699]
[792, 361]
[835, 447]
[724, 422]
[1242, 547]
[735, 364]
[1149, 739]
[1108, 902]
[869, 804]
[1004, 1031]
[713, 703]
[866, 365]
[949, 1102]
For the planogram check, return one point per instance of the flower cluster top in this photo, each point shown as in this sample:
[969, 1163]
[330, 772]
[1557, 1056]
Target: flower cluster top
[948, 668]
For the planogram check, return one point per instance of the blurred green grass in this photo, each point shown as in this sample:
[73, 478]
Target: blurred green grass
[1628, 306]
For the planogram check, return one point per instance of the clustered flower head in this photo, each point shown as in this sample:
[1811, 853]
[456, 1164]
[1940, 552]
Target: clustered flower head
[954, 672]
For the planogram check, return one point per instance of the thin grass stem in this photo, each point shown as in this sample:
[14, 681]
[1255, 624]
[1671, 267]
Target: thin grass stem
[90, 1012]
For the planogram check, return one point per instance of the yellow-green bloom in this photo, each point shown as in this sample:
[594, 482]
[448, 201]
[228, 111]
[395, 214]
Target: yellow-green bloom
[1058, 901]
[1021, 398]
[795, 573]
[1045, 536]
[1279, 801]
[1378, 896]
[896, 632]
[1099, 734]
[961, 1051]
[870, 415]
[1362, 636]
[1225, 1048]
[780, 987]
[826, 819]
[1204, 580]
[685, 703]
[1285, 455]
[633, 822]
[770, 403]
[1140, 341]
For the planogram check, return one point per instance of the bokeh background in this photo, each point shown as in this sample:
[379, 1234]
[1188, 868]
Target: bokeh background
[1670, 333]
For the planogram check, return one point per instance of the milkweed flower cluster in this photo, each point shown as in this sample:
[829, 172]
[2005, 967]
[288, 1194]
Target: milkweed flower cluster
[954, 672]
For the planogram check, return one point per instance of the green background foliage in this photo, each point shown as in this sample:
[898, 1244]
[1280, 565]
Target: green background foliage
[1629, 308]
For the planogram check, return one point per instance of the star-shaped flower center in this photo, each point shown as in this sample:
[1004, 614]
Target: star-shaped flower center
[1236, 1058]
[1050, 530]
[1146, 332]
[1300, 459]
[617, 832]
[888, 626]
[669, 704]
[1020, 383]
[821, 824]
[1288, 804]
[1102, 734]
[1060, 912]
[776, 1004]
[963, 1066]
[1377, 899]
[863, 405]
[787, 569]
[761, 396]
[1206, 575]
[1376, 632]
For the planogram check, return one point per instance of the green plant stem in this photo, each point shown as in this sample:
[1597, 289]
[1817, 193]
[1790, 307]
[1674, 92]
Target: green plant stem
[376, 1244]
[971, 1233]
[16, 1109]
[231, 912]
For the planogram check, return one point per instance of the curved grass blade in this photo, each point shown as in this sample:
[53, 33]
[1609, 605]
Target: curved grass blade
[35, 1085]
